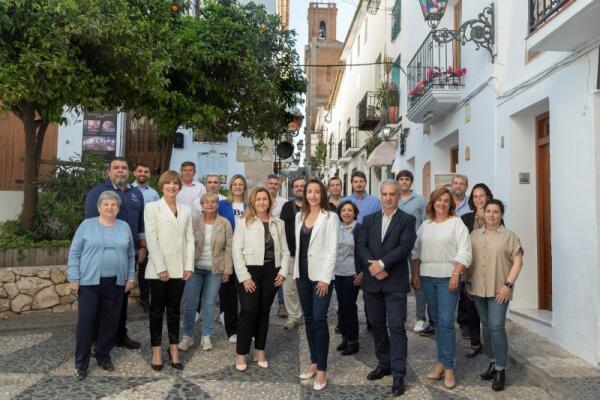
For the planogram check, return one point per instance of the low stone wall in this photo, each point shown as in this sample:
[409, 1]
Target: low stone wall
[37, 289]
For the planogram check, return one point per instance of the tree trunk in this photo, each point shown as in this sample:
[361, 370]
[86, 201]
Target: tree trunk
[35, 131]
[166, 151]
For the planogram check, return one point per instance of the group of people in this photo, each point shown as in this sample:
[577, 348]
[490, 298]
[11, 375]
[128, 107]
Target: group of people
[193, 245]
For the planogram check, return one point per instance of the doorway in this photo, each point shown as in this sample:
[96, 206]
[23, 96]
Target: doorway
[544, 222]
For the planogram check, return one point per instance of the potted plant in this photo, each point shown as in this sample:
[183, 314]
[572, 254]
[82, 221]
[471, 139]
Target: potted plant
[454, 75]
[388, 99]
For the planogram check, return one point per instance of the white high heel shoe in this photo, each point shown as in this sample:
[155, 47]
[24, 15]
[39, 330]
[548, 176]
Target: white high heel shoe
[307, 375]
[319, 386]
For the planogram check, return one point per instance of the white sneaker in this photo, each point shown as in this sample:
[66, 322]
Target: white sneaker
[197, 317]
[233, 338]
[222, 318]
[420, 326]
[206, 343]
[186, 343]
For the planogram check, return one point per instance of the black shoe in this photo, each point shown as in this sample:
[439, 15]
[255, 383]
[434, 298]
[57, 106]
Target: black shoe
[378, 373]
[342, 346]
[499, 379]
[398, 388]
[145, 306]
[369, 327]
[427, 332]
[489, 373]
[128, 343]
[107, 366]
[351, 348]
[81, 374]
[175, 365]
[465, 332]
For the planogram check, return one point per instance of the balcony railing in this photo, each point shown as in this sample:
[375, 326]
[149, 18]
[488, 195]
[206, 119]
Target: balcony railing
[352, 137]
[369, 113]
[433, 67]
[541, 10]
[341, 148]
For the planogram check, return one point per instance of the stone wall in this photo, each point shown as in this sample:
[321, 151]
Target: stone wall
[37, 289]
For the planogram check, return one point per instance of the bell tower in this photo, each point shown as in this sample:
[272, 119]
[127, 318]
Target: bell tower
[322, 22]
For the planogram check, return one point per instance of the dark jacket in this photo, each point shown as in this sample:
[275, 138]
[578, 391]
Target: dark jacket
[394, 250]
[288, 215]
[469, 220]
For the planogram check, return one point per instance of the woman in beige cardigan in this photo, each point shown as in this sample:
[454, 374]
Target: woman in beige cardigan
[170, 242]
[261, 257]
[213, 265]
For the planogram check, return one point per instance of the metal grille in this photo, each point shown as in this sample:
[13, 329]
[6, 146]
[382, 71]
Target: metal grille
[541, 10]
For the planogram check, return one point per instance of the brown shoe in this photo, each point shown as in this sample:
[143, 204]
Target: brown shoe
[449, 381]
[437, 373]
[473, 351]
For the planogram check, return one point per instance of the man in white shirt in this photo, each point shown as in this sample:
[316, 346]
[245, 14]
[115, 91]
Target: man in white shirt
[213, 184]
[273, 188]
[190, 190]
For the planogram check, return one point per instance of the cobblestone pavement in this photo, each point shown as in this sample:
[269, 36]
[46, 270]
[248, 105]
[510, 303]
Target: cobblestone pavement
[39, 365]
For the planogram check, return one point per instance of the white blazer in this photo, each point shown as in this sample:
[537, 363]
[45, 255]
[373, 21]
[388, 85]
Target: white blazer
[322, 248]
[249, 246]
[170, 239]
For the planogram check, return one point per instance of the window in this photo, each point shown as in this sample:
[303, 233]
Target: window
[396, 71]
[396, 19]
[203, 137]
[322, 30]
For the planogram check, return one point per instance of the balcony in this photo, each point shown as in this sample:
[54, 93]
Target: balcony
[352, 145]
[369, 112]
[562, 25]
[435, 85]
[342, 157]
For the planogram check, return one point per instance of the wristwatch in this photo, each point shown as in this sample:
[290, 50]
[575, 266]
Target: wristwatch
[509, 285]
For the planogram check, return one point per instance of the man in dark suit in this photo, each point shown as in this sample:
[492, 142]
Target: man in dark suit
[384, 245]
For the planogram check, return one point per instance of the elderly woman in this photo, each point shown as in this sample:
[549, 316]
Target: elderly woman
[170, 240]
[348, 277]
[101, 268]
[260, 257]
[441, 254]
[213, 265]
[497, 262]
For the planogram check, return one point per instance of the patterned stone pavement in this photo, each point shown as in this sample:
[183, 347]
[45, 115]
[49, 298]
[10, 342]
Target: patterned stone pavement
[39, 365]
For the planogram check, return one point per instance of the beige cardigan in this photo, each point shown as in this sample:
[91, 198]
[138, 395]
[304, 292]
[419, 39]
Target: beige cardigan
[220, 243]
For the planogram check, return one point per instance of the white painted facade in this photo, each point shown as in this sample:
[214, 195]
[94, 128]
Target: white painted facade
[493, 125]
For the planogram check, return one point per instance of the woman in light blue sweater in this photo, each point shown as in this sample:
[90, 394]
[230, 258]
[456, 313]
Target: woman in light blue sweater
[101, 269]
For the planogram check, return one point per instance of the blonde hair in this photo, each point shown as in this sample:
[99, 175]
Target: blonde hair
[169, 176]
[207, 196]
[230, 194]
[250, 213]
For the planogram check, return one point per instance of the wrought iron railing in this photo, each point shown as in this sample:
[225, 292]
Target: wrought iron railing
[341, 148]
[373, 6]
[541, 10]
[369, 112]
[433, 66]
[352, 137]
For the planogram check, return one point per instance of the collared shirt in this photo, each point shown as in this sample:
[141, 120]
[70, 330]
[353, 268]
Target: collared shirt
[131, 210]
[149, 193]
[493, 257]
[278, 205]
[463, 207]
[190, 193]
[415, 205]
[344, 263]
[385, 222]
[367, 205]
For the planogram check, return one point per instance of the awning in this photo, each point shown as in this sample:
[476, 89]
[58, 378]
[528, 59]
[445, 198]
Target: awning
[383, 154]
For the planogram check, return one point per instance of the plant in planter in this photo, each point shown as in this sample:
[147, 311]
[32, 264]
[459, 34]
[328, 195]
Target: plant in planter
[454, 75]
[321, 153]
[388, 99]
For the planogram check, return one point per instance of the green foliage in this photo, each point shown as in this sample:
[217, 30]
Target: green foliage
[321, 153]
[13, 235]
[371, 143]
[61, 203]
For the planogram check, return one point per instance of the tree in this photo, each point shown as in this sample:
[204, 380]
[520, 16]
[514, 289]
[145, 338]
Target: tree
[233, 70]
[77, 54]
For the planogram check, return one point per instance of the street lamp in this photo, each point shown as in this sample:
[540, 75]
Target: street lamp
[300, 144]
[479, 31]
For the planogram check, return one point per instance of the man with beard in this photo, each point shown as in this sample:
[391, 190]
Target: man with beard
[366, 203]
[132, 212]
[460, 184]
[288, 215]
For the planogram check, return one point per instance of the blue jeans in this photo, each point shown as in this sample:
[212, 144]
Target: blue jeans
[442, 307]
[421, 304]
[493, 319]
[315, 320]
[202, 283]
[347, 294]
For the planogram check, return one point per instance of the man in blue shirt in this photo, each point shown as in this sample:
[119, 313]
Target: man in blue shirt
[132, 212]
[460, 184]
[366, 203]
[141, 173]
[415, 204]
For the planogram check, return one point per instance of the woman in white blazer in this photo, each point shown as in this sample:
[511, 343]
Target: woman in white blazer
[260, 259]
[316, 249]
[170, 240]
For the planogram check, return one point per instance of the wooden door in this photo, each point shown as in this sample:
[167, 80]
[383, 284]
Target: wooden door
[456, 43]
[453, 158]
[426, 180]
[544, 223]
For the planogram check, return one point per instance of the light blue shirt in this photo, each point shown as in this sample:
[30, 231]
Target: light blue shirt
[344, 263]
[367, 205]
[415, 205]
[463, 208]
[149, 194]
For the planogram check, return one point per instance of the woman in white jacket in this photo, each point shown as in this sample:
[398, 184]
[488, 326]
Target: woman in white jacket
[260, 259]
[316, 248]
[170, 240]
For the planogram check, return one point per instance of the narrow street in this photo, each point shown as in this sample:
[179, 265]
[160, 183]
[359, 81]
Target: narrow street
[39, 365]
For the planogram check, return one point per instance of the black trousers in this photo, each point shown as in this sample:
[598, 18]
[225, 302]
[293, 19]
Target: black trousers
[165, 295]
[228, 304]
[98, 314]
[142, 282]
[467, 315]
[255, 308]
